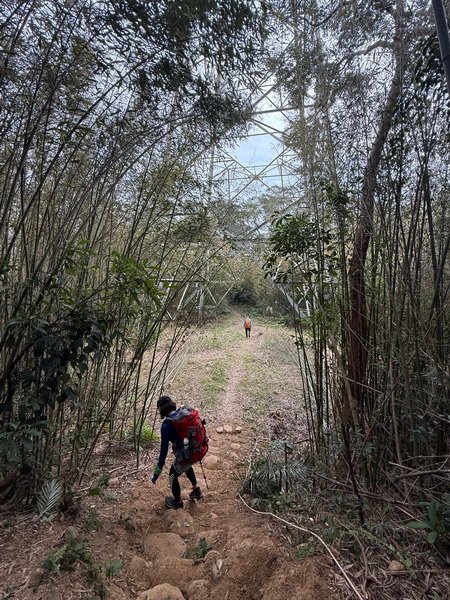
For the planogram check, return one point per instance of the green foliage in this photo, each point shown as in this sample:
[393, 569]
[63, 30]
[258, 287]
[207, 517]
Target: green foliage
[428, 75]
[111, 497]
[92, 521]
[18, 439]
[307, 549]
[99, 487]
[172, 39]
[148, 435]
[437, 522]
[53, 562]
[49, 499]
[75, 275]
[61, 352]
[282, 501]
[274, 473]
[338, 198]
[200, 551]
[77, 255]
[251, 288]
[113, 567]
[293, 235]
[304, 245]
[195, 228]
[135, 283]
[66, 557]
[144, 436]
[245, 292]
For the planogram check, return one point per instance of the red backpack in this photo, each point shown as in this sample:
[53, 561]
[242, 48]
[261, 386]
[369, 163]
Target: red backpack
[191, 430]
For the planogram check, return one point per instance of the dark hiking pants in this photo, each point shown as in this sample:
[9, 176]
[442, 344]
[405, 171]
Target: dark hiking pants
[175, 484]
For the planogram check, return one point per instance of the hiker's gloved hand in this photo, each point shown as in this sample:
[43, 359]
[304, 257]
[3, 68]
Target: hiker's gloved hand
[156, 474]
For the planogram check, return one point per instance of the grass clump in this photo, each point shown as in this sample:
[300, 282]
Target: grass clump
[126, 522]
[74, 552]
[113, 567]
[307, 549]
[274, 477]
[99, 487]
[219, 336]
[143, 435]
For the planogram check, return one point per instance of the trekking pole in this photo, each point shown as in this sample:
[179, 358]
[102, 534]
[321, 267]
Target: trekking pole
[204, 476]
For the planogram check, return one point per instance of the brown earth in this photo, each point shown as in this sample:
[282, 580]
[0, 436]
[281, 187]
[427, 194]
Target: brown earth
[249, 558]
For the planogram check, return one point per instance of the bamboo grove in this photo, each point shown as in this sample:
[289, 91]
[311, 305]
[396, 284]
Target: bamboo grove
[371, 252]
[104, 106]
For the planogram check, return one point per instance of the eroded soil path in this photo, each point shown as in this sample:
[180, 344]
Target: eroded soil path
[243, 385]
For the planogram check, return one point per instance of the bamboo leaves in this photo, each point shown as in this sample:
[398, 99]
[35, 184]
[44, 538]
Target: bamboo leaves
[300, 246]
[17, 441]
[135, 281]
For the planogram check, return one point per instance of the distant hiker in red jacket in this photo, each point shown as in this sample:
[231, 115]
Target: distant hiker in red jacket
[185, 429]
[247, 326]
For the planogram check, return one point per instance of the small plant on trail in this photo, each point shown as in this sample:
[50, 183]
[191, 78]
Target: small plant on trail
[200, 551]
[99, 487]
[307, 549]
[282, 502]
[145, 436]
[437, 522]
[92, 521]
[111, 497]
[125, 522]
[274, 474]
[114, 567]
[66, 557]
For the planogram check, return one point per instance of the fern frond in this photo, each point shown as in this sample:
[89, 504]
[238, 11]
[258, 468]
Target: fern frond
[271, 473]
[49, 498]
[296, 470]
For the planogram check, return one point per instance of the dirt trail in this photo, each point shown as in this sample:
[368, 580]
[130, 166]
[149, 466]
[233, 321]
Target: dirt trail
[246, 562]
[159, 548]
[231, 405]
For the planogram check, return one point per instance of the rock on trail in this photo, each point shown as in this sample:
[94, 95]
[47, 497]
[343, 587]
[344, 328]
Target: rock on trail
[164, 591]
[215, 549]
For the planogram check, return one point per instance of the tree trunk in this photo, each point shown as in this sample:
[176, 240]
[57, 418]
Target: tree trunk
[358, 325]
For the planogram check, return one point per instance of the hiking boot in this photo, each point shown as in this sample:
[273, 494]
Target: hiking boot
[196, 494]
[172, 503]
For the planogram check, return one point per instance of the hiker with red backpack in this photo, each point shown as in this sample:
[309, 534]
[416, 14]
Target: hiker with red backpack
[186, 430]
[247, 326]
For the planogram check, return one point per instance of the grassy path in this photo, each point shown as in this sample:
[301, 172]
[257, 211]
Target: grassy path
[232, 377]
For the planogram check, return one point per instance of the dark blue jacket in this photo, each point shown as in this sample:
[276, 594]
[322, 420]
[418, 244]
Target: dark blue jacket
[168, 434]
